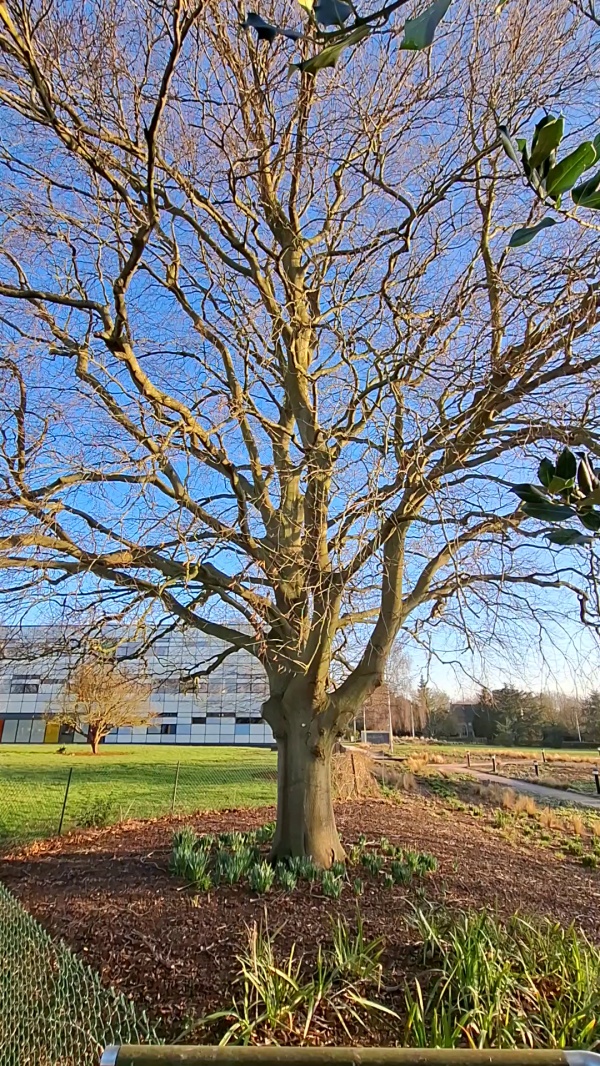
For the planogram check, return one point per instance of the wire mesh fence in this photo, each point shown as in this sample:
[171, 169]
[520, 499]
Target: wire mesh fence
[54, 1010]
[44, 802]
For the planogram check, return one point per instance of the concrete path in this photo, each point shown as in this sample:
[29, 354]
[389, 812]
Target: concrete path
[559, 795]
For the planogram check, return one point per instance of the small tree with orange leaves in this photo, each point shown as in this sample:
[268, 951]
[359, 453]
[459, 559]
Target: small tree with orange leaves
[99, 697]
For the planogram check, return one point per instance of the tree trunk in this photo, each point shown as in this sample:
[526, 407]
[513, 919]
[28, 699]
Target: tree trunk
[305, 818]
[93, 740]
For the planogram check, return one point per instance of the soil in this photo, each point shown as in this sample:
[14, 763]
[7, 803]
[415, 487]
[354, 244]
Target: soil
[108, 893]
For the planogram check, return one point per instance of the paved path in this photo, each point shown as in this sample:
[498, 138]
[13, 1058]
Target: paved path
[559, 795]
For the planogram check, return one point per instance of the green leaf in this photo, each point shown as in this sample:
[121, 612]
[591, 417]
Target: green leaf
[529, 493]
[510, 147]
[526, 233]
[566, 465]
[332, 12]
[568, 536]
[548, 135]
[590, 519]
[563, 176]
[329, 56]
[546, 472]
[549, 512]
[419, 32]
[588, 193]
[559, 484]
[266, 31]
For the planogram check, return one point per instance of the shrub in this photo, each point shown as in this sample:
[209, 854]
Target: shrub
[590, 860]
[99, 812]
[261, 877]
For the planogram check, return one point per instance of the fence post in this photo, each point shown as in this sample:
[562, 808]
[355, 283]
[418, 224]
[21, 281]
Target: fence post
[597, 780]
[175, 784]
[354, 774]
[468, 758]
[543, 755]
[536, 767]
[64, 806]
[494, 764]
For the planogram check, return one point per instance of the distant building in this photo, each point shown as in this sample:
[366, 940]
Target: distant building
[223, 708]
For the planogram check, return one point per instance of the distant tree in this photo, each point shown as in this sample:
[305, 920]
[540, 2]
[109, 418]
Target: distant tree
[99, 697]
[590, 716]
[434, 707]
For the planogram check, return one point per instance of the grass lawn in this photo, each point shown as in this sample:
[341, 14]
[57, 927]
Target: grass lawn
[452, 751]
[128, 781]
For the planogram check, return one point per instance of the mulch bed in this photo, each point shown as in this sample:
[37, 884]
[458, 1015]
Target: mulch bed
[109, 895]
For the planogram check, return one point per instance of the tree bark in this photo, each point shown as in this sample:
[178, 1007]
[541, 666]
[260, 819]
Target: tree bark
[93, 740]
[305, 817]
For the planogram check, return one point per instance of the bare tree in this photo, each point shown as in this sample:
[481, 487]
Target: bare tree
[266, 357]
[100, 696]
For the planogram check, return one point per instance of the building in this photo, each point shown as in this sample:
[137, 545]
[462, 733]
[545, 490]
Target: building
[222, 708]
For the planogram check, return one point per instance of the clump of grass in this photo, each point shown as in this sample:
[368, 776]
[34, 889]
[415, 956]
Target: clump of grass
[286, 877]
[358, 886]
[525, 805]
[331, 885]
[547, 818]
[401, 873]
[261, 877]
[352, 954]
[279, 1004]
[519, 984]
[373, 862]
[577, 825]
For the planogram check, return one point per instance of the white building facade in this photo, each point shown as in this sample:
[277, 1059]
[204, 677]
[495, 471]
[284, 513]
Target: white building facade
[222, 708]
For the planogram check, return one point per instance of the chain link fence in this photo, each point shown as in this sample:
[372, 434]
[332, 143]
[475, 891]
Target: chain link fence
[45, 802]
[54, 1011]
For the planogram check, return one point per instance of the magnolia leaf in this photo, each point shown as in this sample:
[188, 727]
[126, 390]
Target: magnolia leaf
[549, 512]
[590, 519]
[329, 56]
[559, 484]
[593, 497]
[588, 193]
[546, 472]
[568, 536]
[510, 147]
[526, 233]
[566, 465]
[266, 31]
[332, 12]
[529, 493]
[563, 176]
[419, 32]
[546, 139]
[306, 4]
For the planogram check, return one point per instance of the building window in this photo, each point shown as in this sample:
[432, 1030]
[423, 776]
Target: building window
[20, 686]
[198, 719]
[168, 730]
[153, 729]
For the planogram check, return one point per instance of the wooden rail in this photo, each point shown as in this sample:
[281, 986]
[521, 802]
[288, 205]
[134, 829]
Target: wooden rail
[173, 1055]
